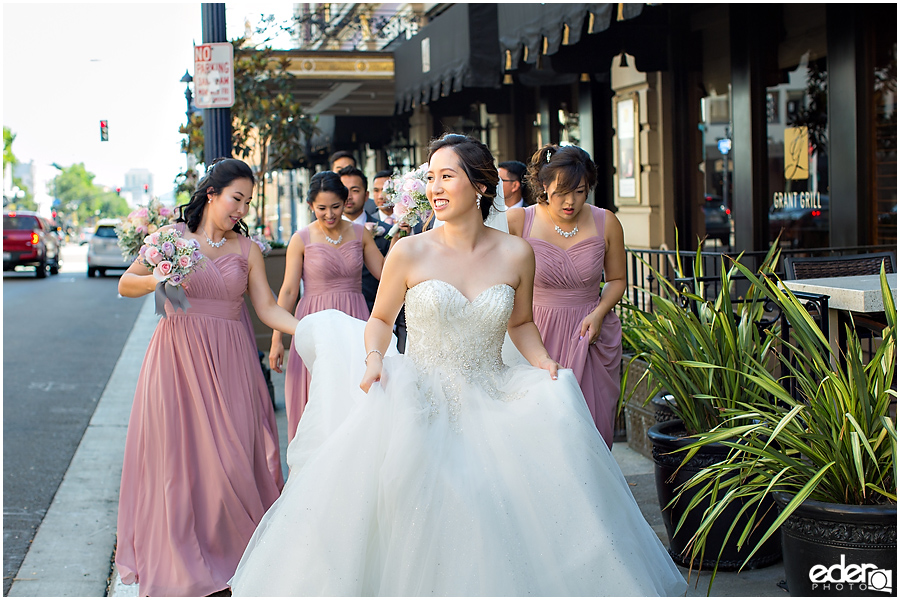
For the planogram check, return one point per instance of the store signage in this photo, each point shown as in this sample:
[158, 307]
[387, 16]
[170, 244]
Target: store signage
[796, 153]
[214, 75]
[790, 200]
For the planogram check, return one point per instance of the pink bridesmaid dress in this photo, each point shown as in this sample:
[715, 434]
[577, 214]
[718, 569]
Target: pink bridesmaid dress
[201, 463]
[332, 278]
[566, 289]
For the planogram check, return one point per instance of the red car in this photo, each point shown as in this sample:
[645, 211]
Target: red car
[30, 240]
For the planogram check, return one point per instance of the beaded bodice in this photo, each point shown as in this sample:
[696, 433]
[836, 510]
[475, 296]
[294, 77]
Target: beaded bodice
[447, 331]
[456, 343]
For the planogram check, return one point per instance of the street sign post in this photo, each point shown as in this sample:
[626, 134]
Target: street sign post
[214, 75]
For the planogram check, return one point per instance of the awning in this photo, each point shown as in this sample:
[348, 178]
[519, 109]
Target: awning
[457, 49]
[527, 31]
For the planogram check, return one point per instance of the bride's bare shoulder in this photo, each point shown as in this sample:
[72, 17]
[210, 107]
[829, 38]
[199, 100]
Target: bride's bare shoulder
[513, 244]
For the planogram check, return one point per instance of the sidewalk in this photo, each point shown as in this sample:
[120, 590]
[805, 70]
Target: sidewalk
[73, 549]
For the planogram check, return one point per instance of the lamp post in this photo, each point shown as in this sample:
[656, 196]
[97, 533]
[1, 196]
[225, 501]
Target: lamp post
[189, 97]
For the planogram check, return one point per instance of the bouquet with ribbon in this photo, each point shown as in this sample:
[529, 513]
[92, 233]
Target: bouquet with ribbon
[406, 193]
[171, 257]
[139, 223]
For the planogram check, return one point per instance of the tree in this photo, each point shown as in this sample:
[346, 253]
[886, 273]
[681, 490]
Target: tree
[25, 202]
[269, 128]
[269, 124]
[8, 138]
[81, 199]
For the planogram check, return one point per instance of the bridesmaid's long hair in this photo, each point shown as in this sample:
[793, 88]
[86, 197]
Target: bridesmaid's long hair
[571, 163]
[477, 163]
[221, 173]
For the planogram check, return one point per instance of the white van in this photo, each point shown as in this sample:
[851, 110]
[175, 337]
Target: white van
[103, 250]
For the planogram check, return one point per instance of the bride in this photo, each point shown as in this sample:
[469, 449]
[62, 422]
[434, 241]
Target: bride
[453, 474]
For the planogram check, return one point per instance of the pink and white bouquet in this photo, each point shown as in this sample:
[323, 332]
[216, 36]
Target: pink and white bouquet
[171, 257]
[139, 223]
[375, 228]
[407, 195]
[264, 246]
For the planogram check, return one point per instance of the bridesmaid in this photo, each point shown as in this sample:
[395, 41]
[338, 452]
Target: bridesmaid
[327, 257]
[576, 245]
[199, 469]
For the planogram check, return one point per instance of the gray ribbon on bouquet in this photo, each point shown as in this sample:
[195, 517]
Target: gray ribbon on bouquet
[174, 293]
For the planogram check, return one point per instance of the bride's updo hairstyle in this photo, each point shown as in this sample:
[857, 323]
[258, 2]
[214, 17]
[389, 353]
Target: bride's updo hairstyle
[477, 163]
[570, 163]
[220, 174]
[326, 181]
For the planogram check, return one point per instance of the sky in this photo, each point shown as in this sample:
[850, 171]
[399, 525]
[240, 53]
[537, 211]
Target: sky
[67, 66]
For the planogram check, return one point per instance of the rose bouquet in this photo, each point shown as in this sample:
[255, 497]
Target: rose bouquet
[264, 246]
[140, 223]
[375, 228]
[406, 193]
[171, 257]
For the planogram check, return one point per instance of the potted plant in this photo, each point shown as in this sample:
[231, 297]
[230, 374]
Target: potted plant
[686, 327]
[828, 453]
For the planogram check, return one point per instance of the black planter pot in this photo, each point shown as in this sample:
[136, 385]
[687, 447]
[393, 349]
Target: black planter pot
[823, 544]
[665, 438]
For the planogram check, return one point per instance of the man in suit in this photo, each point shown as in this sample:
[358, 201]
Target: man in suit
[385, 213]
[345, 158]
[358, 190]
[512, 174]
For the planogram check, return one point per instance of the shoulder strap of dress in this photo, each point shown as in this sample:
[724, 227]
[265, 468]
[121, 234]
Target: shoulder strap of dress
[304, 235]
[599, 220]
[358, 230]
[245, 244]
[529, 220]
[181, 227]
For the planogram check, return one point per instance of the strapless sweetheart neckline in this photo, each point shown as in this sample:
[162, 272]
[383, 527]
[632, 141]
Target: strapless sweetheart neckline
[456, 289]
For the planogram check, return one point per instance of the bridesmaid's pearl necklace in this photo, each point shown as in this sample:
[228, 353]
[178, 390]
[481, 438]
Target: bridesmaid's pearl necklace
[565, 234]
[218, 244]
[335, 242]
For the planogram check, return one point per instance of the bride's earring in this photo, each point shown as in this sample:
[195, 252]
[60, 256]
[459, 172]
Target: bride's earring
[478, 201]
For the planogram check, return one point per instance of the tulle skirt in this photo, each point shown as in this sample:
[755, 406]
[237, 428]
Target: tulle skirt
[505, 488]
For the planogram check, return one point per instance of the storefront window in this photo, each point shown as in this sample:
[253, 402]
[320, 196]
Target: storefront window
[885, 112]
[798, 157]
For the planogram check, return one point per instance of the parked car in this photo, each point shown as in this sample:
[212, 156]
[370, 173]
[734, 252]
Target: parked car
[103, 249]
[30, 240]
[718, 219]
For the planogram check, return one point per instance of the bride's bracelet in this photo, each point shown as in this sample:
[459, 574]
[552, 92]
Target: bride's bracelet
[366, 361]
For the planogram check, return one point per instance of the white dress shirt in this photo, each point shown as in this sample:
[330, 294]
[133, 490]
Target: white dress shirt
[360, 220]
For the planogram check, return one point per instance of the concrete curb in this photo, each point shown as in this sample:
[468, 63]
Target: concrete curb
[70, 554]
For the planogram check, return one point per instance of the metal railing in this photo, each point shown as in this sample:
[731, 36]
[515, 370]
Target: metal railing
[641, 279]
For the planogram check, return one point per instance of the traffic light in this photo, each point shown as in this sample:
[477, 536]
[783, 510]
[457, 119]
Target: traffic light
[118, 191]
[146, 188]
[104, 130]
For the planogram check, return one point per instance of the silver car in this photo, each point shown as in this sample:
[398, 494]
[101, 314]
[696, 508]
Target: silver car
[103, 250]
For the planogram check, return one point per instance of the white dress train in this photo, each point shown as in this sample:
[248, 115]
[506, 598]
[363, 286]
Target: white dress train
[456, 475]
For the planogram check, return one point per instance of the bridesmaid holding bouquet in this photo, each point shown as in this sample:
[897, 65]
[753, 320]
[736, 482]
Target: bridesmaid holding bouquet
[201, 463]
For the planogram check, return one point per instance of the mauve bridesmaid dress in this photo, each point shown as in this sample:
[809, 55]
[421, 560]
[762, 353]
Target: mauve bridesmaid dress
[332, 278]
[201, 463]
[566, 289]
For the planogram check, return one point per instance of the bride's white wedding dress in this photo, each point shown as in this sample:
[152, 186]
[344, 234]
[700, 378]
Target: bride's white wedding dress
[456, 475]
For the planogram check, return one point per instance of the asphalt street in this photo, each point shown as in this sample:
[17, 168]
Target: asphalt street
[62, 336]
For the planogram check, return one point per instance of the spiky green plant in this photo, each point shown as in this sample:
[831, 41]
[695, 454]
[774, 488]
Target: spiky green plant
[833, 443]
[685, 326]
